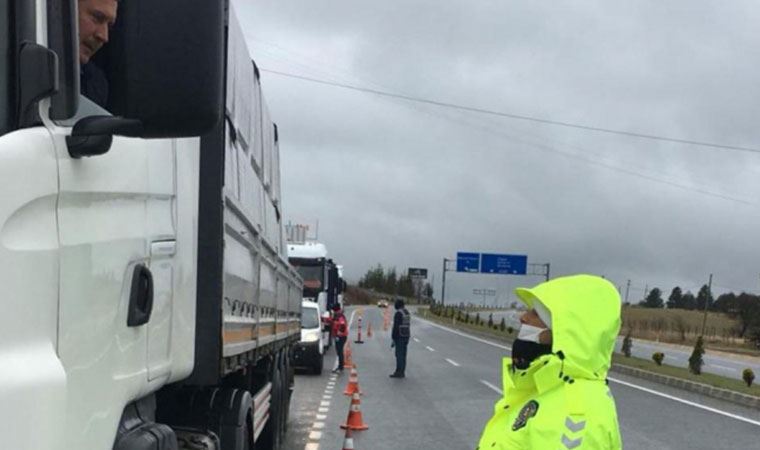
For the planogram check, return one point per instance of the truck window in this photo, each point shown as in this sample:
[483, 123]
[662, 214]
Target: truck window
[5, 67]
[309, 318]
[96, 20]
[312, 276]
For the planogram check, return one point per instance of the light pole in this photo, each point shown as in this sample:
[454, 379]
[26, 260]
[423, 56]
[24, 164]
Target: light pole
[707, 303]
[443, 282]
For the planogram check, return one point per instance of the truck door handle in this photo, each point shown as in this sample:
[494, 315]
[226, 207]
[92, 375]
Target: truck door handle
[140, 296]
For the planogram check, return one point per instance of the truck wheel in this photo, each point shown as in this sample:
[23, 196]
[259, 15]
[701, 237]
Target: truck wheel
[289, 387]
[270, 437]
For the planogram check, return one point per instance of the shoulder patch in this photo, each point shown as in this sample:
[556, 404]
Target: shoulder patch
[529, 410]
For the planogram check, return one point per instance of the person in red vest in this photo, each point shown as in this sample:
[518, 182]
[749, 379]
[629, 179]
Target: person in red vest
[340, 334]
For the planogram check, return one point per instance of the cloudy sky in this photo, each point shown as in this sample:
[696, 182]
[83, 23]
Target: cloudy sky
[407, 184]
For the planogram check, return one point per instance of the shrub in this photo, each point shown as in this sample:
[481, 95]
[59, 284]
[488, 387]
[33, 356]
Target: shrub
[658, 357]
[502, 325]
[748, 376]
[490, 320]
[695, 360]
[510, 330]
[627, 344]
[477, 319]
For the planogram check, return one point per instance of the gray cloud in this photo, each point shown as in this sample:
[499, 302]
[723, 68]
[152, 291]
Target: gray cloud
[405, 184]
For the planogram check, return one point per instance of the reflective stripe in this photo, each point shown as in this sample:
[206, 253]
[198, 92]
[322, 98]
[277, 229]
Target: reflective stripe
[574, 426]
[570, 443]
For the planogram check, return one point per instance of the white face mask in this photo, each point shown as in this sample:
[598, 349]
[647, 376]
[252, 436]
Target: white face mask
[529, 333]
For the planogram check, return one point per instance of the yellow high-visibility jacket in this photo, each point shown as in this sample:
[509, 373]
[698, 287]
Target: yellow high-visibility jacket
[562, 400]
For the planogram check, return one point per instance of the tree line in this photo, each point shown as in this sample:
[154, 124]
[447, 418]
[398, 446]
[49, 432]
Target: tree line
[744, 307]
[388, 281]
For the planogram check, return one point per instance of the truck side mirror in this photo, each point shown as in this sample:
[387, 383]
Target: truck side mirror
[165, 70]
[167, 66]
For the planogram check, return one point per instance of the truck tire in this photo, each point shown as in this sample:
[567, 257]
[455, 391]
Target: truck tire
[270, 437]
[290, 373]
[285, 398]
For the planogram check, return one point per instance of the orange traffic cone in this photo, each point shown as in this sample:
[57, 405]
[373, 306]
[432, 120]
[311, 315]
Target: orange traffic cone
[355, 421]
[347, 362]
[348, 442]
[353, 384]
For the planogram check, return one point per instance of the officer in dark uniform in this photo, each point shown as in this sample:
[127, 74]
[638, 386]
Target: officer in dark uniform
[400, 335]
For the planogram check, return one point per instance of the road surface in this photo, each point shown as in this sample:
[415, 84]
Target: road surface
[452, 383]
[675, 355]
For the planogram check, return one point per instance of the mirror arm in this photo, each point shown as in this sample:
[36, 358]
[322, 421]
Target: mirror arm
[93, 135]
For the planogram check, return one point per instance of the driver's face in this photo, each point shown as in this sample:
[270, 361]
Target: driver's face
[95, 19]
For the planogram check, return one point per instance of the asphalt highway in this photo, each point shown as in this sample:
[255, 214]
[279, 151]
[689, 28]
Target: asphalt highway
[453, 380]
[675, 355]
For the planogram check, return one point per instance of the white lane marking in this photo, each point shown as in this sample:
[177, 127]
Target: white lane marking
[453, 363]
[641, 388]
[318, 425]
[321, 417]
[311, 446]
[315, 435]
[331, 383]
[468, 336]
[323, 404]
[323, 410]
[685, 402]
[499, 391]
[416, 340]
[326, 397]
[430, 348]
[351, 320]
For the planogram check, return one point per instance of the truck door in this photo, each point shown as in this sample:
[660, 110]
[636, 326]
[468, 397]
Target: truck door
[117, 236]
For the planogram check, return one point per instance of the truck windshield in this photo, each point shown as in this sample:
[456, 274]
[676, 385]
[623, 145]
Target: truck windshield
[309, 317]
[5, 66]
[313, 277]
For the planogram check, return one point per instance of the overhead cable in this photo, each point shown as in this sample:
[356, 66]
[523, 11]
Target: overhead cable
[518, 116]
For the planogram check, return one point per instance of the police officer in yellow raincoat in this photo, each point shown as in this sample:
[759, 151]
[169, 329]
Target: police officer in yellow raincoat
[555, 390]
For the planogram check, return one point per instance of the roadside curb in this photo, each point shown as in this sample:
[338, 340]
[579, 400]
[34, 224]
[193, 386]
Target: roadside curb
[738, 398]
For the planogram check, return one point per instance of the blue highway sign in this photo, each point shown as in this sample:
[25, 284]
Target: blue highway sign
[468, 262]
[503, 264]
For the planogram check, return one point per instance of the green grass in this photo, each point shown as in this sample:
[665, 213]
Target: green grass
[678, 372]
[644, 364]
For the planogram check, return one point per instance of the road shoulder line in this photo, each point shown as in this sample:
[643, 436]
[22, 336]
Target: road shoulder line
[468, 336]
[685, 402]
[689, 386]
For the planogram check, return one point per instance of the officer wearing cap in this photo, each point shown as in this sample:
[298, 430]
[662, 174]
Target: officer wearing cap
[400, 335]
[555, 390]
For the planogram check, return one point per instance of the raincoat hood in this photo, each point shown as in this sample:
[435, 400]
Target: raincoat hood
[585, 316]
